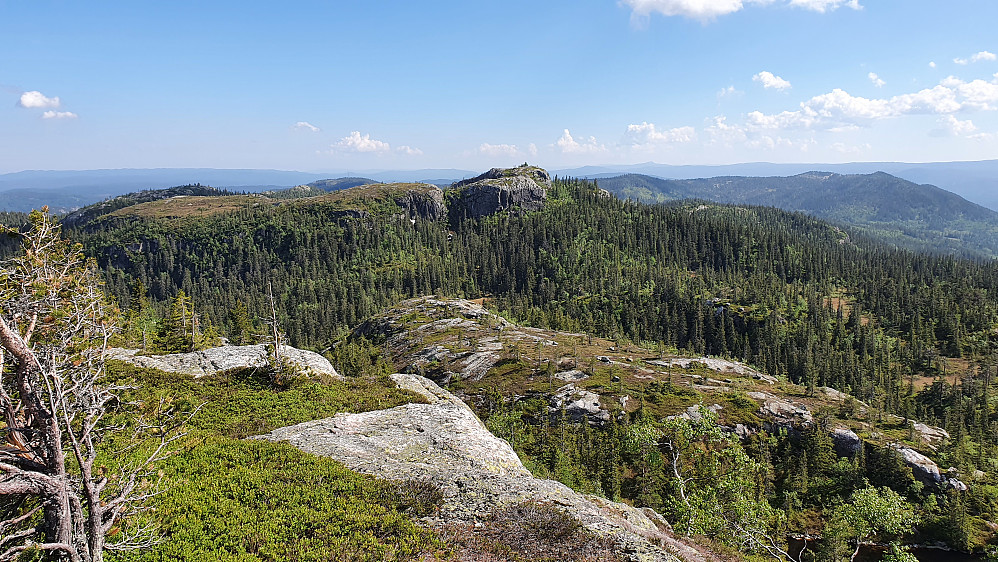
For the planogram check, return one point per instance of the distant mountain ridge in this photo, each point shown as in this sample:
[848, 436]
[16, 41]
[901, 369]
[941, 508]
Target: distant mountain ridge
[898, 211]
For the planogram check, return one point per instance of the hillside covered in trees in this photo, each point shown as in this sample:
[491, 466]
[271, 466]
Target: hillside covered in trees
[906, 334]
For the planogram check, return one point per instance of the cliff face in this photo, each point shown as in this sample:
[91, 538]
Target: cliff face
[425, 204]
[443, 442]
[524, 188]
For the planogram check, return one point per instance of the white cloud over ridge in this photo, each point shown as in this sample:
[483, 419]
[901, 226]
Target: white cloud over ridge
[838, 110]
[59, 115]
[305, 125]
[977, 57]
[771, 81]
[408, 150]
[709, 10]
[568, 145]
[876, 80]
[498, 149]
[647, 134]
[357, 142]
[38, 100]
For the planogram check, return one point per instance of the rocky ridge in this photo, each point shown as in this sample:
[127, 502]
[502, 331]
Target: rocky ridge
[217, 359]
[443, 442]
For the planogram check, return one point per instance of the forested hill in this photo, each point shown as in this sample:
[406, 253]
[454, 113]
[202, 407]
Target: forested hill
[897, 211]
[912, 336]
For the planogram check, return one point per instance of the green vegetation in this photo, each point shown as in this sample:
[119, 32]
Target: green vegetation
[884, 207]
[912, 336]
[226, 498]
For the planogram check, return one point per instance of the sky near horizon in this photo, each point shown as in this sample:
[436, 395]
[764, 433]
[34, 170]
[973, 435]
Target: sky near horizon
[364, 85]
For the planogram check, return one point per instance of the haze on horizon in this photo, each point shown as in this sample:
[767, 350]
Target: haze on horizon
[400, 85]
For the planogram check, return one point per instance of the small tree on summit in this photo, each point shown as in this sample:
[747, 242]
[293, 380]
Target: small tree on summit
[55, 498]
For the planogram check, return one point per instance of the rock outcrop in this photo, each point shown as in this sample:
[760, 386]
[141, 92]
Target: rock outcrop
[426, 204]
[499, 189]
[218, 359]
[445, 443]
[579, 405]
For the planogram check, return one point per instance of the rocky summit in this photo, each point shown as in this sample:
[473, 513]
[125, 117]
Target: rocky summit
[524, 187]
[445, 443]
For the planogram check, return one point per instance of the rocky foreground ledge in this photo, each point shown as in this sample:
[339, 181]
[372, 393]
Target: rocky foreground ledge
[443, 442]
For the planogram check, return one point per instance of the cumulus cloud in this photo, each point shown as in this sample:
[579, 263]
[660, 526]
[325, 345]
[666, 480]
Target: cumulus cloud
[839, 110]
[305, 125]
[822, 6]
[408, 150]
[771, 81]
[953, 127]
[38, 100]
[709, 10]
[532, 149]
[932, 64]
[876, 80]
[59, 115]
[647, 134]
[498, 149]
[568, 145]
[977, 57]
[357, 142]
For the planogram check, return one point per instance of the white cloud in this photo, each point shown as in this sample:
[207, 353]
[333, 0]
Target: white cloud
[843, 148]
[838, 110]
[647, 134]
[709, 10]
[953, 127]
[306, 126]
[932, 64]
[771, 81]
[702, 10]
[59, 115]
[876, 80]
[720, 132]
[38, 100]
[977, 57]
[532, 149]
[408, 150]
[569, 145]
[730, 91]
[361, 143]
[498, 149]
[822, 6]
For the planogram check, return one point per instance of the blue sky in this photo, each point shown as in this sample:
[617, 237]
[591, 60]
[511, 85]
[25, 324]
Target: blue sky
[405, 85]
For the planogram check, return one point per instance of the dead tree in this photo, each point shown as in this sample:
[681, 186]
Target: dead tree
[55, 325]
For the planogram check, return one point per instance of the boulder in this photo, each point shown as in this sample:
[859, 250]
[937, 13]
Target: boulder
[443, 442]
[217, 359]
[500, 189]
[847, 443]
[579, 405]
[930, 435]
[922, 467]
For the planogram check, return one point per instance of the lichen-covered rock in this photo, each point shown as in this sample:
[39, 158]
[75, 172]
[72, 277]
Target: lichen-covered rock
[217, 359]
[499, 189]
[578, 404]
[922, 467]
[445, 443]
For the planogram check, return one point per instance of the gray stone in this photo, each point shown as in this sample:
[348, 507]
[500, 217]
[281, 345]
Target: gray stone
[579, 405]
[501, 189]
[922, 467]
[427, 205]
[445, 443]
[930, 434]
[574, 375]
[217, 359]
[847, 443]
